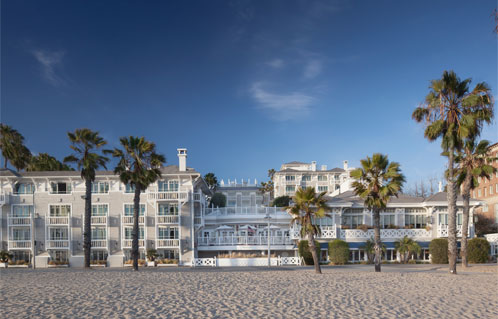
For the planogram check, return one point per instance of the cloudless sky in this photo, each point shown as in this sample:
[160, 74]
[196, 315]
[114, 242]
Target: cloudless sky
[244, 85]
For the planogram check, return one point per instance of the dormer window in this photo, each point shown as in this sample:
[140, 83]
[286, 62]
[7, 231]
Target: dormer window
[100, 187]
[168, 186]
[24, 188]
[60, 188]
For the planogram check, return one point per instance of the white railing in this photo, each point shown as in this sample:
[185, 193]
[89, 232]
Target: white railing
[99, 243]
[204, 262]
[234, 262]
[492, 238]
[127, 243]
[243, 240]
[57, 220]
[51, 244]
[384, 233]
[169, 219]
[99, 220]
[165, 243]
[129, 219]
[442, 231]
[167, 195]
[19, 244]
[18, 221]
[325, 232]
[254, 210]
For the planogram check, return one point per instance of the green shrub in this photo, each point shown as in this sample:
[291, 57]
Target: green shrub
[304, 251]
[438, 248]
[478, 250]
[412, 261]
[281, 201]
[338, 252]
[218, 200]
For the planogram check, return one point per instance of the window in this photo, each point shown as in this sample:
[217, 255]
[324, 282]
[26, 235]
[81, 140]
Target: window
[496, 188]
[490, 189]
[290, 178]
[474, 194]
[479, 193]
[415, 221]
[128, 210]
[231, 203]
[60, 188]
[60, 210]
[22, 210]
[325, 221]
[99, 233]
[485, 208]
[129, 188]
[479, 179]
[58, 233]
[290, 188]
[98, 255]
[100, 187]
[59, 255]
[306, 178]
[496, 213]
[443, 219]
[323, 188]
[100, 209]
[322, 178]
[168, 232]
[24, 188]
[387, 221]
[485, 189]
[168, 186]
[352, 218]
[168, 209]
[21, 234]
[129, 230]
[459, 219]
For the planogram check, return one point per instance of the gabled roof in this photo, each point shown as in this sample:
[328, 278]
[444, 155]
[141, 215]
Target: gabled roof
[441, 197]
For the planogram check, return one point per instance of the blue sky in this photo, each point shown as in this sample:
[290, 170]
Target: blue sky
[244, 85]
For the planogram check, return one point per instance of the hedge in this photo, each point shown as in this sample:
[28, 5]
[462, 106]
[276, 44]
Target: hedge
[304, 251]
[478, 250]
[438, 248]
[338, 252]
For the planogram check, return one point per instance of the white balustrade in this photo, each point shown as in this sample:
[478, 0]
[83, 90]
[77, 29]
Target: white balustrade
[99, 243]
[99, 220]
[18, 221]
[442, 231]
[168, 219]
[167, 195]
[204, 262]
[166, 243]
[129, 219]
[492, 238]
[251, 210]
[57, 220]
[51, 244]
[127, 243]
[19, 244]
[243, 240]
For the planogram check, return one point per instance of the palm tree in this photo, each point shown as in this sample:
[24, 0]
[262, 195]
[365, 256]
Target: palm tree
[13, 148]
[138, 166]
[86, 145]
[308, 206]
[369, 248]
[453, 113]
[45, 162]
[211, 180]
[473, 163]
[376, 182]
[406, 247]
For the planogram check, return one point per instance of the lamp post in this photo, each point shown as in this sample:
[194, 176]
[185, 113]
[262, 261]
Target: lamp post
[268, 217]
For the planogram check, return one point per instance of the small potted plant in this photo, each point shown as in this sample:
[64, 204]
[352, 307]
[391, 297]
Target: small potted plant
[151, 257]
[5, 256]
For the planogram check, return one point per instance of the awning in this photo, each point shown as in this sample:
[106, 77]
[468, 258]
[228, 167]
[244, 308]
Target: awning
[246, 227]
[388, 244]
[224, 227]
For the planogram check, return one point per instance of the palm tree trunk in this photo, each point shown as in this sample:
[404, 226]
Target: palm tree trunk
[87, 233]
[316, 260]
[466, 210]
[135, 231]
[452, 239]
[377, 242]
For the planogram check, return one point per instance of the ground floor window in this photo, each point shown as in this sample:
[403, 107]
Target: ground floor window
[127, 253]
[168, 254]
[389, 255]
[98, 255]
[21, 255]
[356, 255]
[59, 255]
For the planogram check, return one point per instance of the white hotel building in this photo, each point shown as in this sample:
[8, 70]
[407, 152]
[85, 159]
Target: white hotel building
[42, 216]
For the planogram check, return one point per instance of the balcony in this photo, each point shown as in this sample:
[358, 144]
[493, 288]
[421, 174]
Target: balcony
[129, 220]
[167, 195]
[19, 221]
[167, 243]
[168, 219]
[243, 241]
[19, 244]
[99, 220]
[127, 243]
[99, 243]
[252, 210]
[59, 220]
[349, 234]
[442, 231]
[57, 244]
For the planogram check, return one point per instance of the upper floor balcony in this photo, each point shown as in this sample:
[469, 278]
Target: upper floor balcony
[57, 243]
[19, 244]
[128, 220]
[167, 219]
[167, 195]
[442, 230]
[167, 243]
[99, 244]
[242, 211]
[57, 220]
[244, 241]
[126, 243]
[19, 220]
[99, 220]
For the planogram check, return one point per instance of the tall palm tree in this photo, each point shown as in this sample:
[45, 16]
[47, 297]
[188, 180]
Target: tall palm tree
[138, 166]
[45, 162]
[453, 113]
[376, 182]
[406, 247]
[13, 148]
[211, 180]
[307, 207]
[473, 163]
[86, 145]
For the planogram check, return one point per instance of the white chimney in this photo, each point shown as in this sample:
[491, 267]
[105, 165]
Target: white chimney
[182, 159]
[324, 167]
[345, 163]
[440, 186]
[313, 166]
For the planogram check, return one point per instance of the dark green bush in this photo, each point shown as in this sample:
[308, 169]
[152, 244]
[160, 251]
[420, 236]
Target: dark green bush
[438, 248]
[478, 250]
[281, 201]
[218, 200]
[338, 252]
[305, 252]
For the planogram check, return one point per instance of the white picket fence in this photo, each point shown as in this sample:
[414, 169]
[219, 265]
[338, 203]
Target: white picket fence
[246, 262]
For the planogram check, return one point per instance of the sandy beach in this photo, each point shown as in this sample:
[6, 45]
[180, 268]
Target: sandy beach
[419, 291]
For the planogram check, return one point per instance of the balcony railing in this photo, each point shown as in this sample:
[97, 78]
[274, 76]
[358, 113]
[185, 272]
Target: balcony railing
[19, 244]
[102, 220]
[60, 220]
[167, 195]
[99, 243]
[243, 240]
[442, 231]
[129, 219]
[127, 243]
[19, 221]
[169, 219]
[167, 243]
[53, 244]
[385, 233]
[254, 210]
